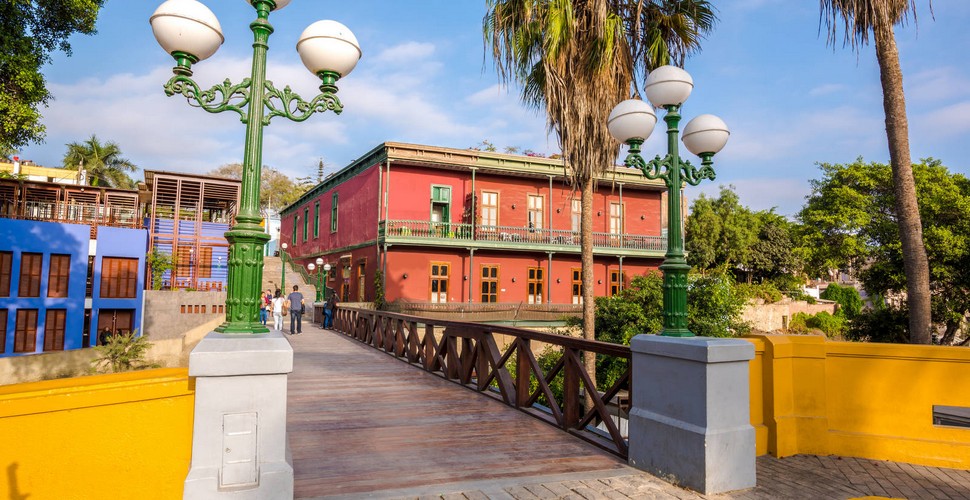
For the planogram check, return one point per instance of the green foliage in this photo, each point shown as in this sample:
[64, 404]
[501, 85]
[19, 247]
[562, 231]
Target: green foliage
[32, 29]
[832, 325]
[103, 163]
[379, 298]
[798, 323]
[850, 223]
[158, 263]
[766, 291]
[850, 303]
[714, 306]
[121, 353]
[880, 324]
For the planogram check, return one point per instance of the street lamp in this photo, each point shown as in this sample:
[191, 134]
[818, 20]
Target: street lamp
[319, 281]
[311, 266]
[190, 32]
[283, 268]
[631, 122]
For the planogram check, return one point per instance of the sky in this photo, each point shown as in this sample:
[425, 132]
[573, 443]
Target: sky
[790, 100]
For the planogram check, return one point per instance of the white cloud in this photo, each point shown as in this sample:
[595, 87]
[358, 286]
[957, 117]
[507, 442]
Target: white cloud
[937, 84]
[405, 53]
[948, 121]
[826, 89]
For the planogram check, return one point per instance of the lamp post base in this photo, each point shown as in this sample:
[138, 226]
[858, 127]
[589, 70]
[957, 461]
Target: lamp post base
[239, 447]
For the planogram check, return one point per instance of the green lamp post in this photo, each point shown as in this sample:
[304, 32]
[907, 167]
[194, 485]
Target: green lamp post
[631, 122]
[190, 32]
[325, 268]
[283, 268]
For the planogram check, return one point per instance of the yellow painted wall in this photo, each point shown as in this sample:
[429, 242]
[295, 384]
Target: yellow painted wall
[855, 399]
[117, 436]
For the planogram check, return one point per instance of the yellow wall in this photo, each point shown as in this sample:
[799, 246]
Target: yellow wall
[117, 436]
[875, 401]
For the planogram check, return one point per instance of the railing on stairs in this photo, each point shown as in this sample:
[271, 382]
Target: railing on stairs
[549, 386]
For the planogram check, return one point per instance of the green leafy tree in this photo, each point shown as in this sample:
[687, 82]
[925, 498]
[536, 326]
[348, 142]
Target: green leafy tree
[276, 189]
[850, 303]
[720, 231]
[158, 263]
[849, 223]
[858, 19]
[575, 60]
[32, 29]
[104, 164]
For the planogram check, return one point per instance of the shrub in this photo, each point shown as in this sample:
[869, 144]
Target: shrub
[881, 324]
[766, 291]
[831, 325]
[798, 323]
[121, 353]
[850, 303]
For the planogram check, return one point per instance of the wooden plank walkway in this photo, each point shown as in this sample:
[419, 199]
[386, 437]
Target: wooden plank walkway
[362, 424]
[360, 421]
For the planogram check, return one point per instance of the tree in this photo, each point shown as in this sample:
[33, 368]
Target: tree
[103, 163]
[858, 18]
[720, 231]
[576, 59]
[32, 29]
[276, 190]
[849, 222]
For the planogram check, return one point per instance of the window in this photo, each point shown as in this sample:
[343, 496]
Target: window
[58, 276]
[30, 268]
[25, 335]
[577, 286]
[119, 278]
[204, 265]
[489, 208]
[183, 263]
[439, 282]
[535, 212]
[6, 261]
[440, 209]
[296, 222]
[617, 280]
[3, 329]
[316, 219]
[89, 281]
[306, 222]
[361, 280]
[616, 218]
[117, 321]
[535, 285]
[576, 206]
[489, 284]
[333, 214]
[54, 330]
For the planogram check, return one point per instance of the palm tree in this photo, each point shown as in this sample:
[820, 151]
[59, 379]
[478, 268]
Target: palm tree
[859, 18]
[103, 163]
[576, 59]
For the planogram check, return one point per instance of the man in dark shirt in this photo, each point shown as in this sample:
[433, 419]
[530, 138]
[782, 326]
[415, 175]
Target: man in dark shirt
[296, 310]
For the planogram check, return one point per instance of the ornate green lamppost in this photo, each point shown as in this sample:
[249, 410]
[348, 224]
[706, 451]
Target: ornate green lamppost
[283, 268]
[325, 268]
[631, 122]
[190, 32]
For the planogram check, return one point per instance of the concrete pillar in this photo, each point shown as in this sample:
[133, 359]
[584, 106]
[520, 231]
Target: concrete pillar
[239, 447]
[690, 422]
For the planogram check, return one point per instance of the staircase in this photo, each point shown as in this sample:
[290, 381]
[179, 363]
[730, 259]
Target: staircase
[271, 279]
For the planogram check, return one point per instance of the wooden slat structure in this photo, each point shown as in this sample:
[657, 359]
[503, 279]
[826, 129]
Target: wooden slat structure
[187, 217]
[73, 204]
[360, 422]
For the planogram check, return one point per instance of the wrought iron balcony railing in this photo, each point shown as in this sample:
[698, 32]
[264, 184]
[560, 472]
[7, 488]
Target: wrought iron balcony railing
[512, 235]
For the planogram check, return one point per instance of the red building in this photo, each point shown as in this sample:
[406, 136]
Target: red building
[454, 225]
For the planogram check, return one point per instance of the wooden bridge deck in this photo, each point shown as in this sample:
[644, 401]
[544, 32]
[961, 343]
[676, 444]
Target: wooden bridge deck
[362, 422]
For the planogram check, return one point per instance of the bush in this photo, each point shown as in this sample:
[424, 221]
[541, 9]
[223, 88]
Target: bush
[121, 353]
[798, 323]
[831, 325]
[850, 303]
[882, 324]
[766, 291]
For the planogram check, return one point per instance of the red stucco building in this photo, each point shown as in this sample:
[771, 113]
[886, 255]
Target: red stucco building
[466, 226]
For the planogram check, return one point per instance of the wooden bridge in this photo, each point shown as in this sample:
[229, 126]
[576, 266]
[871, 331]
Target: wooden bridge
[362, 424]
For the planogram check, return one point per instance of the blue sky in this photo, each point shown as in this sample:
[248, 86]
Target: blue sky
[789, 99]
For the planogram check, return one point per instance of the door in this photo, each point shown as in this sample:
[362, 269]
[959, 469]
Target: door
[439, 282]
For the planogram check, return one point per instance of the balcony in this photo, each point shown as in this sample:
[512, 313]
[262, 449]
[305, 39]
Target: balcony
[90, 214]
[458, 235]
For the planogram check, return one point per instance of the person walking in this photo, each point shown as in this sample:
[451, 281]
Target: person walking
[278, 311]
[328, 309]
[296, 310]
[263, 312]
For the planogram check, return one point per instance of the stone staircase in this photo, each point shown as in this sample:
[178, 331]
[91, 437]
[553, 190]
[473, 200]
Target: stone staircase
[271, 279]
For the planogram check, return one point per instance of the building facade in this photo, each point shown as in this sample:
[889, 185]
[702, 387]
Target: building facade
[448, 225]
[72, 262]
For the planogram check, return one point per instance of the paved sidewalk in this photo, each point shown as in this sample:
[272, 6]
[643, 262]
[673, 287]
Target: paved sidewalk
[333, 372]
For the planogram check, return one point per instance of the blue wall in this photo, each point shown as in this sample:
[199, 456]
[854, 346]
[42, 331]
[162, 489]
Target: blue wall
[19, 236]
[119, 242]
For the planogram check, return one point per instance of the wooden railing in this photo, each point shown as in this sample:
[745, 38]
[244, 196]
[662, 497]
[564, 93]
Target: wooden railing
[77, 213]
[415, 229]
[468, 354]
